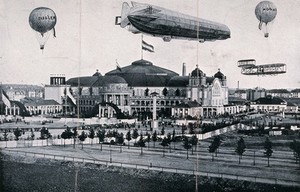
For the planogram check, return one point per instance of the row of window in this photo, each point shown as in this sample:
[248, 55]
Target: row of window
[87, 102]
[217, 102]
[43, 107]
[147, 103]
[170, 92]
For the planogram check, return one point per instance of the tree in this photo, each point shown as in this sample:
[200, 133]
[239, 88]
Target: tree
[67, 134]
[154, 138]
[92, 135]
[101, 136]
[240, 149]
[164, 143]
[295, 146]
[212, 149]
[5, 135]
[135, 134]
[75, 134]
[214, 146]
[148, 138]
[17, 133]
[64, 136]
[128, 137]
[141, 143]
[177, 93]
[182, 130]
[173, 137]
[163, 131]
[45, 134]
[217, 143]
[187, 146]
[292, 146]
[192, 129]
[169, 139]
[82, 137]
[32, 135]
[165, 91]
[120, 140]
[268, 149]
[194, 142]
[147, 92]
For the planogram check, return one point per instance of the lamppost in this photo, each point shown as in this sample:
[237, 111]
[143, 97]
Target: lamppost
[197, 162]
[154, 120]
[76, 166]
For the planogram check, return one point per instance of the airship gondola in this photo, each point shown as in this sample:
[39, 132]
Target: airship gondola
[266, 69]
[160, 22]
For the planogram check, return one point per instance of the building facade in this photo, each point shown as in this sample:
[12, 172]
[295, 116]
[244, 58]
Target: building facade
[269, 104]
[129, 89]
[35, 106]
[283, 93]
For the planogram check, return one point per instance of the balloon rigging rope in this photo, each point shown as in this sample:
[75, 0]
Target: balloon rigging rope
[197, 33]
[79, 60]
[196, 187]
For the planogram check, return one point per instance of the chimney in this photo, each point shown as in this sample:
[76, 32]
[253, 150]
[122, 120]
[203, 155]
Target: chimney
[183, 69]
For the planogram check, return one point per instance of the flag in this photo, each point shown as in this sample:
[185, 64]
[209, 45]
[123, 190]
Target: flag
[70, 96]
[5, 99]
[118, 66]
[147, 47]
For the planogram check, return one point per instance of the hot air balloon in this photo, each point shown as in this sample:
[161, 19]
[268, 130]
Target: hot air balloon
[42, 20]
[265, 12]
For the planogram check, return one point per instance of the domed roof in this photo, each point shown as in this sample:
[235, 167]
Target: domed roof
[219, 75]
[143, 73]
[179, 81]
[197, 72]
[104, 80]
[97, 73]
[95, 81]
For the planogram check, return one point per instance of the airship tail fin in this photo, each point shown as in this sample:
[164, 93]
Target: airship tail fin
[125, 11]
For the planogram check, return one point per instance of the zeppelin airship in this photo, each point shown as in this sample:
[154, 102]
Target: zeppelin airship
[161, 22]
[249, 67]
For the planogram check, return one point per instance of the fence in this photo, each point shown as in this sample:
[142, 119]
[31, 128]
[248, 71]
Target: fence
[30, 143]
[223, 130]
[45, 142]
[163, 169]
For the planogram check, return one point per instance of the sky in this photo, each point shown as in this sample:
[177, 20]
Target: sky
[87, 39]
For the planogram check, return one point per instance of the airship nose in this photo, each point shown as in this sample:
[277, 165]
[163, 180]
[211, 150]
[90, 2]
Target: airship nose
[140, 18]
[133, 17]
[226, 32]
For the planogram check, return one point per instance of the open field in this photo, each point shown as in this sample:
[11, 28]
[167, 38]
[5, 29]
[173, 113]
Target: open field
[41, 175]
[283, 169]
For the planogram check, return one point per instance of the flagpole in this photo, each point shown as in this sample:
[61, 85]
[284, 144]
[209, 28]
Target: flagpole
[196, 187]
[142, 47]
